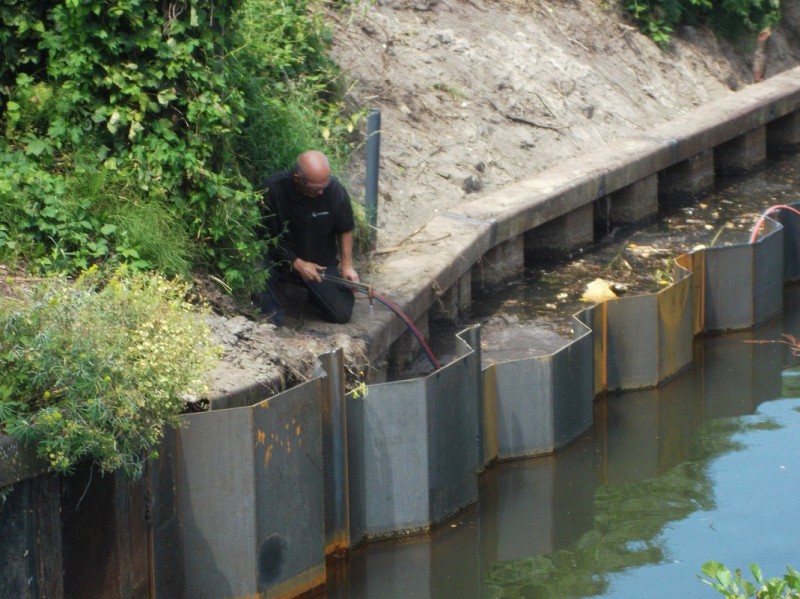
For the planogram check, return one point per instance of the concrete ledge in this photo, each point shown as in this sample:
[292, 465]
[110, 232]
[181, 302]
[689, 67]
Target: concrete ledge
[415, 277]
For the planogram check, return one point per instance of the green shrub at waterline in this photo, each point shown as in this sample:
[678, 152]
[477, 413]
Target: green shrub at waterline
[733, 586]
[99, 368]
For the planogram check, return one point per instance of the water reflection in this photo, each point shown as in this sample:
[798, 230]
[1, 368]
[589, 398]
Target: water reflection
[652, 452]
[620, 511]
[564, 526]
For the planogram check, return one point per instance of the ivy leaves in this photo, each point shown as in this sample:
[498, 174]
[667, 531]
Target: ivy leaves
[181, 110]
[732, 18]
[141, 95]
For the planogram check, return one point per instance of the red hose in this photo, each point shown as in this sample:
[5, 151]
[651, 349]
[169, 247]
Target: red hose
[765, 214]
[414, 330]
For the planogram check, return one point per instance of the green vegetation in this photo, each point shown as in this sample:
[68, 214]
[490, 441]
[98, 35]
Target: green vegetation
[734, 586]
[140, 136]
[729, 18]
[96, 369]
[135, 136]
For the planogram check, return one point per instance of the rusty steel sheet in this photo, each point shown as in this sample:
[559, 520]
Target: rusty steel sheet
[649, 337]
[573, 385]
[264, 492]
[250, 488]
[168, 578]
[790, 221]
[595, 319]
[675, 325]
[695, 264]
[768, 273]
[541, 402]
[632, 342]
[414, 448]
[330, 369]
[742, 284]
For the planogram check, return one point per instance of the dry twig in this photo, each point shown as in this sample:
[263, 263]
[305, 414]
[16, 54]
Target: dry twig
[405, 244]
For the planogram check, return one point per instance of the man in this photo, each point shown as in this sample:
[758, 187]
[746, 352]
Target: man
[308, 212]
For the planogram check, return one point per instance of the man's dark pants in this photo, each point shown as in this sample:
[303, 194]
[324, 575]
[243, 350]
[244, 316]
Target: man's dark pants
[334, 301]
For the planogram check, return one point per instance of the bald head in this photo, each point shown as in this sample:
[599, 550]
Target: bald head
[313, 172]
[313, 165]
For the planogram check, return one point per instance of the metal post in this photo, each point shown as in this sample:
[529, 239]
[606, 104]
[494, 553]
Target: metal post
[373, 160]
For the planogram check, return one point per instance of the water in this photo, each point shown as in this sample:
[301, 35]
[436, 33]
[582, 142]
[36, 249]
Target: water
[704, 468]
[744, 512]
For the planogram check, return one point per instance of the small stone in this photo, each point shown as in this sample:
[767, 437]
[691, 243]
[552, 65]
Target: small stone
[444, 37]
[472, 184]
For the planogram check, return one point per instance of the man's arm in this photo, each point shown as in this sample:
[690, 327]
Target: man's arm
[346, 251]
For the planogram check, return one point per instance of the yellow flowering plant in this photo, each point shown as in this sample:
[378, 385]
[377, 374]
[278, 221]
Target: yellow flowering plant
[98, 368]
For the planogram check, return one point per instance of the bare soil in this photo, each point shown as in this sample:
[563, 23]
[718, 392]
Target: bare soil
[477, 94]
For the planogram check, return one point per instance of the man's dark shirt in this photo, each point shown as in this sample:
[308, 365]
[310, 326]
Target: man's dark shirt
[306, 227]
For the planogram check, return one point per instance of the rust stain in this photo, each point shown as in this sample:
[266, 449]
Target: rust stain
[262, 437]
[268, 456]
[297, 431]
[310, 583]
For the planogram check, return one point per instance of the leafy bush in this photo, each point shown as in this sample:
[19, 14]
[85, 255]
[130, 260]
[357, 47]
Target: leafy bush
[98, 369]
[734, 586]
[730, 18]
[112, 111]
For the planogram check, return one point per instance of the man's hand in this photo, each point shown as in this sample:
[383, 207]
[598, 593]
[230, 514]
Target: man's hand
[308, 271]
[350, 274]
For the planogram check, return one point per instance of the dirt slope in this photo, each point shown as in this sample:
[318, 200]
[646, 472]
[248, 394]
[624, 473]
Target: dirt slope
[477, 94]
